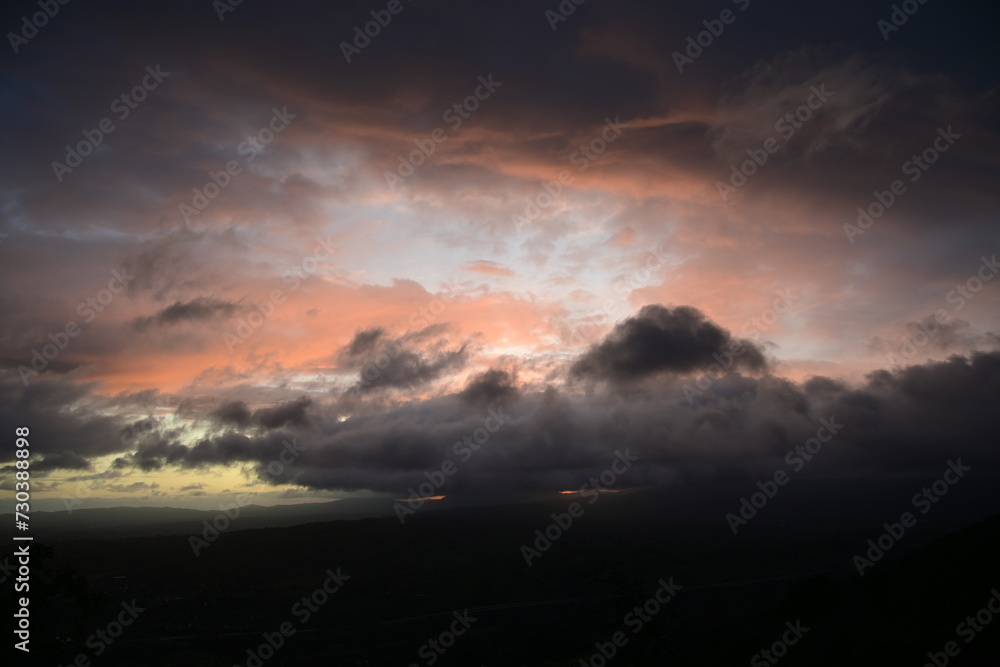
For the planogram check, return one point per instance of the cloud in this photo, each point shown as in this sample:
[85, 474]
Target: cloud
[364, 341]
[490, 388]
[923, 338]
[107, 474]
[197, 310]
[234, 412]
[408, 361]
[487, 267]
[69, 424]
[853, 91]
[659, 339]
[367, 356]
[289, 413]
[62, 460]
[551, 439]
[409, 369]
[133, 488]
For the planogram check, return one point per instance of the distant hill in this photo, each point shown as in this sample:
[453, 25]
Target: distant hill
[106, 523]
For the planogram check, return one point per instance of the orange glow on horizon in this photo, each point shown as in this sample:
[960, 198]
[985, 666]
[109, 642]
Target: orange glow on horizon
[599, 490]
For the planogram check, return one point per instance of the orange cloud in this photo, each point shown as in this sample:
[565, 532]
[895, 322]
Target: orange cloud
[487, 267]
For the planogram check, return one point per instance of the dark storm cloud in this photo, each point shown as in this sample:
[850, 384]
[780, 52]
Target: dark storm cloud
[411, 360]
[493, 387]
[410, 369]
[905, 420]
[909, 420]
[658, 340]
[197, 310]
[67, 433]
[929, 335]
[364, 341]
[959, 381]
[235, 412]
[899, 420]
[954, 335]
[230, 448]
[290, 413]
[60, 416]
[62, 460]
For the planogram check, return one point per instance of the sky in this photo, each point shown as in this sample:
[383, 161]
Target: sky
[256, 249]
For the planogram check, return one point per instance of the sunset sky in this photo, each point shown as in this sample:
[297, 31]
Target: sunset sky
[287, 233]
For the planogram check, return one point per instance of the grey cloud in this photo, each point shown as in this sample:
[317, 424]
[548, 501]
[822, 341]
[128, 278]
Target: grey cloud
[660, 339]
[200, 309]
[741, 428]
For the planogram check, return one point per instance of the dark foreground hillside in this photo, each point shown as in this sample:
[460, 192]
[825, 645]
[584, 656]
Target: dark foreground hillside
[613, 574]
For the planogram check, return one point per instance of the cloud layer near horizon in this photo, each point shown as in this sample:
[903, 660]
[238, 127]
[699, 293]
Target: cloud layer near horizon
[702, 423]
